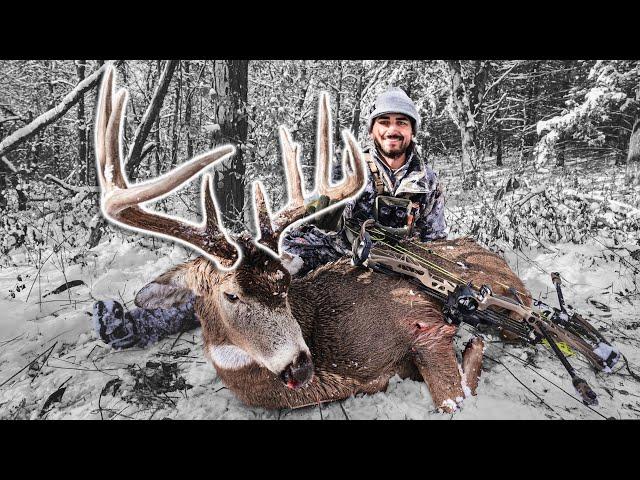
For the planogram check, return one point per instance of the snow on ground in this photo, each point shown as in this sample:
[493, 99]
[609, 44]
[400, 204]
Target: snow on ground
[52, 364]
[517, 382]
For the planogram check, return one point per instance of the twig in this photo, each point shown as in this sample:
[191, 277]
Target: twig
[5, 342]
[71, 188]
[527, 365]
[100, 406]
[182, 330]
[120, 413]
[518, 380]
[38, 275]
[344, 411]
[635, 376]
[43, 362]
[26, 366]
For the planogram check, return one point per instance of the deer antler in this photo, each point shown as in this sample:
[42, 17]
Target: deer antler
[353, 182]
[121, 203]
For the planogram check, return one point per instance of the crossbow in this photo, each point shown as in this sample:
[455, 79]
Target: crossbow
[380, 249]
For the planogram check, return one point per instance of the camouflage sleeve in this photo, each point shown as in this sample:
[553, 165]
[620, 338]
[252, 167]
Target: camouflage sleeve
[362, 206]
[431, 223]
[347, 213]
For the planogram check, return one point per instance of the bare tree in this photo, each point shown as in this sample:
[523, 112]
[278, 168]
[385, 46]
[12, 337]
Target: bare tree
[468, 83]
[136, 154]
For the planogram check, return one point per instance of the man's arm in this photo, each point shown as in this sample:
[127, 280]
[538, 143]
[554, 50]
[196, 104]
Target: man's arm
[362, 206]
[431, 223]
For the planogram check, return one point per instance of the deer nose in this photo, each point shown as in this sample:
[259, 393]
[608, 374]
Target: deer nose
[299, 372]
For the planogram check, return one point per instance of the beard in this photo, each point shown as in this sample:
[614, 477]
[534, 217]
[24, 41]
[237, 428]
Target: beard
[394, 152]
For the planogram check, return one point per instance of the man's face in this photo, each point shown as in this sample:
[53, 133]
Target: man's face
[391, 133]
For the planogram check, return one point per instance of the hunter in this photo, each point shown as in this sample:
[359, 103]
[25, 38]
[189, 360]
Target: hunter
[402, 194]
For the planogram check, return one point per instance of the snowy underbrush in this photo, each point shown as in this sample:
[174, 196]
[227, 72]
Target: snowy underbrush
[53, 365]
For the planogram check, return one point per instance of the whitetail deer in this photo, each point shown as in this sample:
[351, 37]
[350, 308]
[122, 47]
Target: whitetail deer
[275, 341]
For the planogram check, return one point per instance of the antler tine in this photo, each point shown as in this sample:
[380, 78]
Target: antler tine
[210, 210]
[354, 179]
[113, 165]
[355, 176]
[291, 152]
[122, 204]
[108, 125]
[268, 236]
[323, 161]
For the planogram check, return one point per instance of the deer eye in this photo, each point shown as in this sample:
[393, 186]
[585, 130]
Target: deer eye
[232, 297]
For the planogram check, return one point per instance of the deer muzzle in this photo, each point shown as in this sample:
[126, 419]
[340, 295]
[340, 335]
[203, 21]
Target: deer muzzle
[298, 373]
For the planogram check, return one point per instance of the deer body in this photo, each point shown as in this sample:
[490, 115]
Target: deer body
[356, 341]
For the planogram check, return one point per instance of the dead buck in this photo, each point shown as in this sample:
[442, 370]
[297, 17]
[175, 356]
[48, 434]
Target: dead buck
[275, 341]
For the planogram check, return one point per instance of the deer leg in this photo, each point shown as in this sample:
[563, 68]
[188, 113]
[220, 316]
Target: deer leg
[472, 364]
[435, 358]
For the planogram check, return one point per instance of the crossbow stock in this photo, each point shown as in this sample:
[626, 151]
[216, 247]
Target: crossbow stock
[462, 302]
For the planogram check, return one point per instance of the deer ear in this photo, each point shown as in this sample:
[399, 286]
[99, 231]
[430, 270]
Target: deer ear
[167, 291]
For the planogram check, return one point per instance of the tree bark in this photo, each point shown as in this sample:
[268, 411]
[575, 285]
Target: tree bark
[81, 126]
[230, 83]
[174, 128]
[467, 97]
[566, 84]
[500, 142]
[187, 109]
[355, 119]
[633, 154]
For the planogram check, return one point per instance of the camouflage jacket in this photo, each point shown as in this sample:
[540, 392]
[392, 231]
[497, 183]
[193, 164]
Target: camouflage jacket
[414, 180]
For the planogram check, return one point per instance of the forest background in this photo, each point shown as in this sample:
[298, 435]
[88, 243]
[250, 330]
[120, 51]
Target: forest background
[537, 114]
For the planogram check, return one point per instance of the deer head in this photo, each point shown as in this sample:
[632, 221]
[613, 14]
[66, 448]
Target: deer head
[240, 283]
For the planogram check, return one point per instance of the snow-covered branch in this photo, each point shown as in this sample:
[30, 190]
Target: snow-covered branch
[10, 119]
[71, 188]
[616, 206]
[11, 166]
[529, 196]
[16, 138]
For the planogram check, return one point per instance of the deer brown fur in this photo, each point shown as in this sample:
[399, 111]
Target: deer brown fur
[361, 328]
[368, 329]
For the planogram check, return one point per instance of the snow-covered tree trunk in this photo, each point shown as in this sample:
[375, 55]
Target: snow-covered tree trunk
[355, 119]
[230, 89]
[187, 108]
[81, 126]
[633, 154]
[466, 98]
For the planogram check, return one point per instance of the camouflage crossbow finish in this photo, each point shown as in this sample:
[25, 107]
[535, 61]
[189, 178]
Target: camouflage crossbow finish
[463, 302]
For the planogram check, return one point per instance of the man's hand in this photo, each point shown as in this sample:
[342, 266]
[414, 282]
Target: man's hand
[317, 205]
[326, 221]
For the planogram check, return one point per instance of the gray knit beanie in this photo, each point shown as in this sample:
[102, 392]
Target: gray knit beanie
[394, 100]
